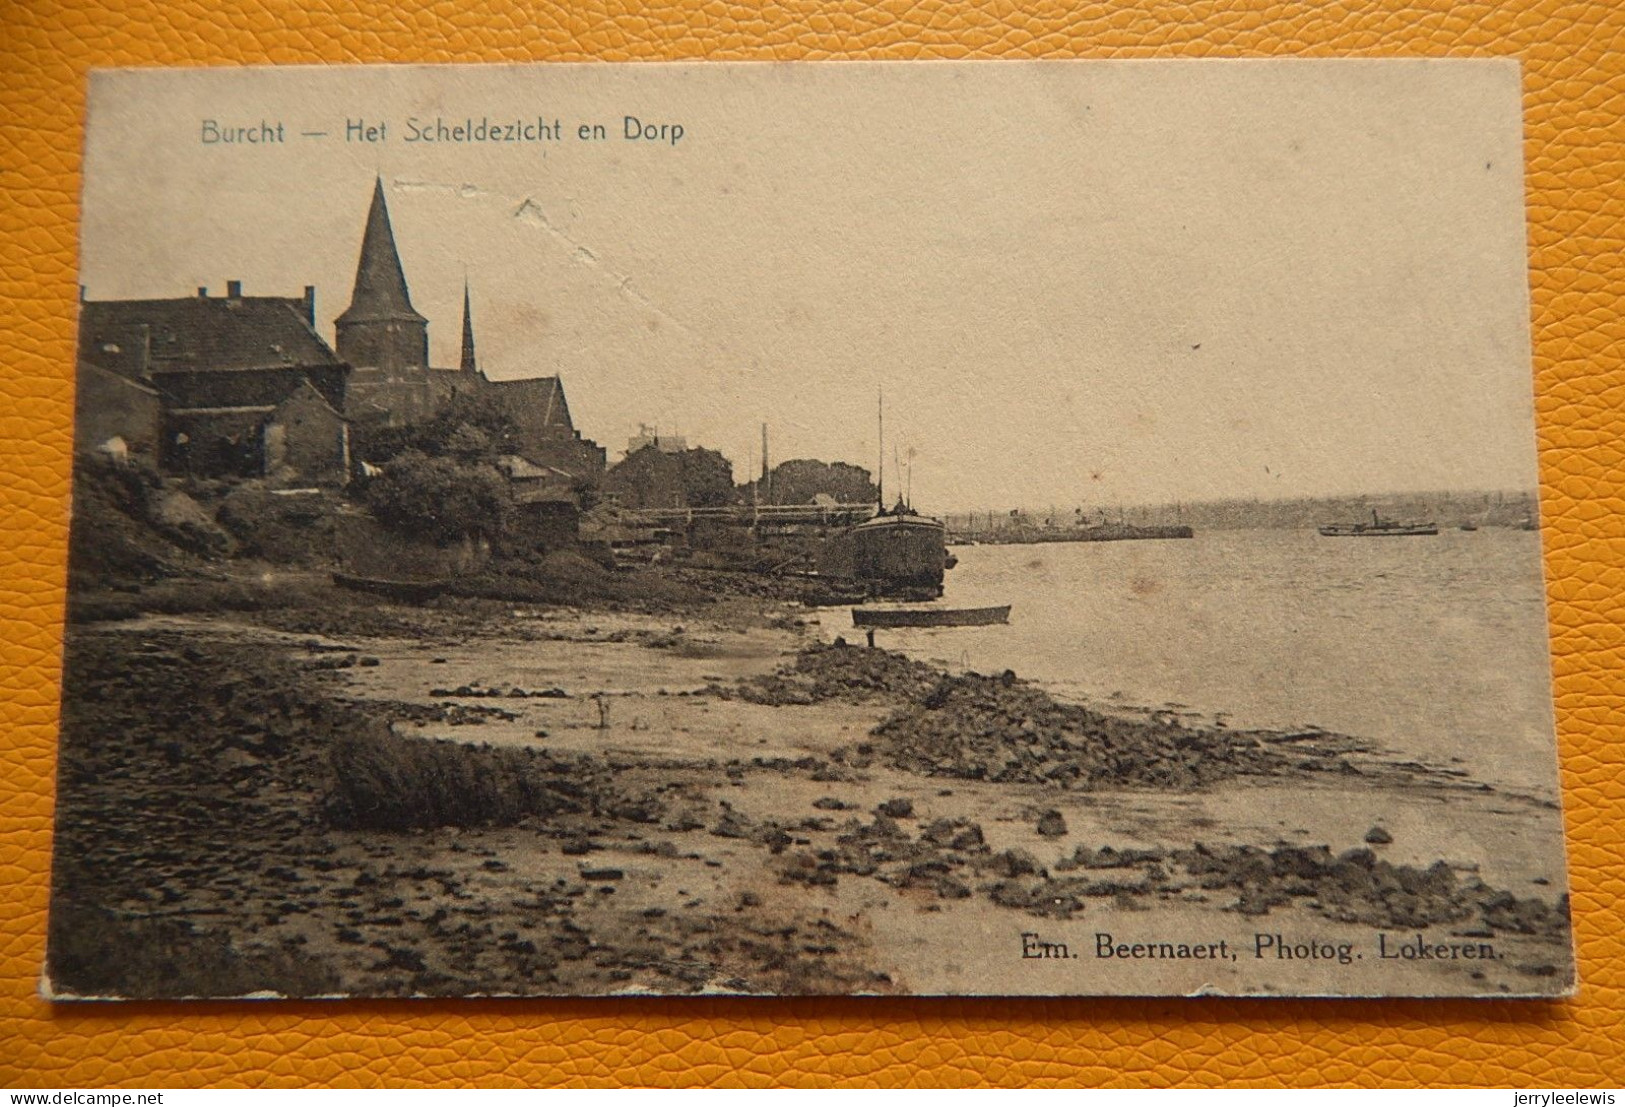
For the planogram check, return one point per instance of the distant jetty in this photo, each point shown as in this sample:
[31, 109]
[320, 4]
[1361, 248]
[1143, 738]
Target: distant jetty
[1104, 532]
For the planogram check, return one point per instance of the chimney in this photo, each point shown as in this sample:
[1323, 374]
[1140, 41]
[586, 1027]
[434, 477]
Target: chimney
[310, 304]
[234, 290]
[202, 292]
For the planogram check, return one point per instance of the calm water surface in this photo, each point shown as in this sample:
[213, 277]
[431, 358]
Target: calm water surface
[1435, 647]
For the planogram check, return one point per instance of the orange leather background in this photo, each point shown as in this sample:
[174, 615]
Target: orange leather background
[1574, 76]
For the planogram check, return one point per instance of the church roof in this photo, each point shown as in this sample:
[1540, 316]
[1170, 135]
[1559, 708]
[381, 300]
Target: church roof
[545, 395]
[137, 338]
[380, 282]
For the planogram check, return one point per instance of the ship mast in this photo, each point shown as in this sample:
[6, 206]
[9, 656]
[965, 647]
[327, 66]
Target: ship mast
[880, 470]
[767, 475]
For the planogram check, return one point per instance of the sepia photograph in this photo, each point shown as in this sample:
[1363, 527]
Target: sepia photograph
[1022, 528]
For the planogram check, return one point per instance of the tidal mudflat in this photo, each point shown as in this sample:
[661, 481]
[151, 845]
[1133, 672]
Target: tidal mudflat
[472, 798]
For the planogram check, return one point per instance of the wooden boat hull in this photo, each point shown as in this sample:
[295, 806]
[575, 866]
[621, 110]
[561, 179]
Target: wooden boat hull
[889, 554]
[412, 591]
[930, 616]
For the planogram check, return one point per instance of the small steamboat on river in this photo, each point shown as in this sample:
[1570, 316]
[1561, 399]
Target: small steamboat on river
[1378, 527]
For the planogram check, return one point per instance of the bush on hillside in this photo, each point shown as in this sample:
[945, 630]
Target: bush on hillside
[439, 498]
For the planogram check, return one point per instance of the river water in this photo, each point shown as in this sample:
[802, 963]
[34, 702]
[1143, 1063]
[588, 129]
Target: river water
[1434, 647]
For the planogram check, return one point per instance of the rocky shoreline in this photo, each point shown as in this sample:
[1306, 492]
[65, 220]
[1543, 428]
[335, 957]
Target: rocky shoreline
[247, 811]
[1005, 729]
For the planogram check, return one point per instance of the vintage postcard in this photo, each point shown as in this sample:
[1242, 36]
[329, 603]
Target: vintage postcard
[1044, 529]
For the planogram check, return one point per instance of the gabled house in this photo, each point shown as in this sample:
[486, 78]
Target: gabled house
[220, 366]
[306, 438]
[546, 508]
[115, 415]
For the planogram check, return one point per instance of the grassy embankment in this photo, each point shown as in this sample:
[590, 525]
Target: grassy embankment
[144, 546]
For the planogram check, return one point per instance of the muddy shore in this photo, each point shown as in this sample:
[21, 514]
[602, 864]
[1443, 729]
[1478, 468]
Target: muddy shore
[315, 797]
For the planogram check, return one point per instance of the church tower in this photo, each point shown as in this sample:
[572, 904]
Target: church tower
[469, 364]
[379, 329]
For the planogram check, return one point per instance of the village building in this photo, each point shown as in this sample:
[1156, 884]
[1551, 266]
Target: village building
[652, 478]
[546, 433]
[651, 436]
[304, 435]
[114, 415]
[386, 342]
[218, 368]
[244, 386]
[546, 506]
[383, 338]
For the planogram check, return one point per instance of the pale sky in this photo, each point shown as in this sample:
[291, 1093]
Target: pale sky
[1076, 282]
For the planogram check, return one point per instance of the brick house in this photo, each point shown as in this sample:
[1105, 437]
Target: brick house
[220, 367]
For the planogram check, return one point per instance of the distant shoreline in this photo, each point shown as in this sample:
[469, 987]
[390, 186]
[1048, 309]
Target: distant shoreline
[1490, 509]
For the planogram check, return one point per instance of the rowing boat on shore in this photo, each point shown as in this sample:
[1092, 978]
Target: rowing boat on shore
[930, 616]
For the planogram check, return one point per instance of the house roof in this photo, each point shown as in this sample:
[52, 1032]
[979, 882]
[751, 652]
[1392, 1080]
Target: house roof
[137, 338]
[380, 282]
[518, 468]
[116, 378]
[307, 393]
[545, 494]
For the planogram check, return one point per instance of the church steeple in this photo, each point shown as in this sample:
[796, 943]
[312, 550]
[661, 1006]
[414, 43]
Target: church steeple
[469, 364]
[380, 328]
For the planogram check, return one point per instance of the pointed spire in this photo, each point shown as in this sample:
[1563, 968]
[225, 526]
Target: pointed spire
[380, 283]
[468, 365]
